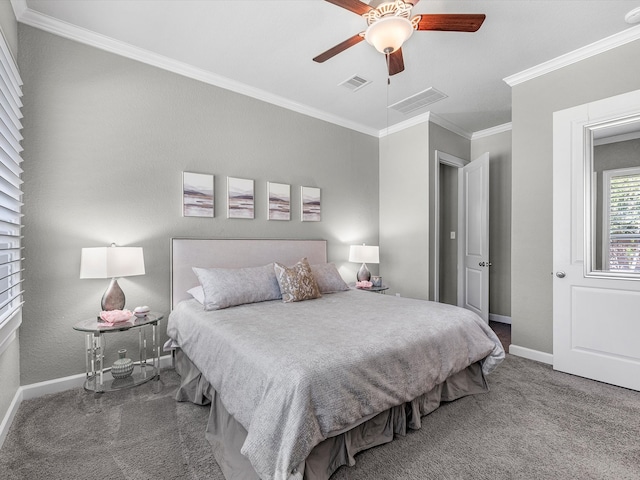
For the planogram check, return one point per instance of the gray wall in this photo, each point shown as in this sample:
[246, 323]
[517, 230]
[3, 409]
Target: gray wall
[106, 142]
[605, 75]
[448, 258]
[499, 148]
[10, 358]
[407, 217]
[404, 211]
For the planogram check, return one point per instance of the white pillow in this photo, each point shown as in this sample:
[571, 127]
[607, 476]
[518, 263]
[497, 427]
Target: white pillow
[197, 293]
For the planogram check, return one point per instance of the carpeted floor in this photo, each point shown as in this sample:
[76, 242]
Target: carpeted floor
[534, 424]
[503, 331]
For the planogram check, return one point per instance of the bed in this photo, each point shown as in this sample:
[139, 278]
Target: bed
[297, 389]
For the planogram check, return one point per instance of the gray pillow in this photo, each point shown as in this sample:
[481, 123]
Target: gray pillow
[328, 278]
[227, 287]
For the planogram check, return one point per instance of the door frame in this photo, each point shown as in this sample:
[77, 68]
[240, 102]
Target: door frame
[456, 162]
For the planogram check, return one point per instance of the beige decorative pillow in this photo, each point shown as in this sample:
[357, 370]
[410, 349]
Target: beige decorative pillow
[296, 283]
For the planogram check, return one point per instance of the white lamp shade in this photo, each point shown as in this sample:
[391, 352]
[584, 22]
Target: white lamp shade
[364, 254]
[111, 262]
[388, 33]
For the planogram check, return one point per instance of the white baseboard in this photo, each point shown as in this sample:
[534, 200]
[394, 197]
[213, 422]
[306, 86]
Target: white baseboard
[57, 385]
[36, 390]
[10, 415]
[536, 355]
[494, 317]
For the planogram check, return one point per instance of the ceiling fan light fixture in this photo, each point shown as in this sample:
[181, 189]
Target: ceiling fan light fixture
[388, 34]
[633, 16]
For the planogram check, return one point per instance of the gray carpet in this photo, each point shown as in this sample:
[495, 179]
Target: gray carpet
[534, 424]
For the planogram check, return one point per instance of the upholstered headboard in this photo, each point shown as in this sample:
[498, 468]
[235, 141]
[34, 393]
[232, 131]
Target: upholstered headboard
[234, 253]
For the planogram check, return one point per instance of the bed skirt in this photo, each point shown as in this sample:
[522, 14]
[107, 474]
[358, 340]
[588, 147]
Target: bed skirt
[227, 436]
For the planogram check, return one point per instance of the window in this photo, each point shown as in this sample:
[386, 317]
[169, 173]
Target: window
[621, 217]
[10, 196]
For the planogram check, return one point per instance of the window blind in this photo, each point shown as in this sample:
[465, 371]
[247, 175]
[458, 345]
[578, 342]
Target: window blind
[11, 250]
[624, 220]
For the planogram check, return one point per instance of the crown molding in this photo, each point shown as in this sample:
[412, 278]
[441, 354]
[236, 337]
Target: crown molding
[608, 43]
[505, 127]
[72, 32]
[398, 127]
[452, 127]
[425, 117]
[19, 7]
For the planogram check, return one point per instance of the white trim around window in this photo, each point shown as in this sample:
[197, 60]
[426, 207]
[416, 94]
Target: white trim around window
[631, 178]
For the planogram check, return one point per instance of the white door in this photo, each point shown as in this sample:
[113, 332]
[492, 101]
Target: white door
[596, 308]
[474, 289]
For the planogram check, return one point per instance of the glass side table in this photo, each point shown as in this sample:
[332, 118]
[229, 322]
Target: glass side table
[380, 289]
[95, 344]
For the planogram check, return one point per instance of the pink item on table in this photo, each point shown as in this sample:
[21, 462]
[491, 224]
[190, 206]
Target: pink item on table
[115, 316]
[364, 284]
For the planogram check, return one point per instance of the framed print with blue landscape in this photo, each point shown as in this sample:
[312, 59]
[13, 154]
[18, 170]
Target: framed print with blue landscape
[279, 201]
[310, 210]
[240, 201]
[197, 195]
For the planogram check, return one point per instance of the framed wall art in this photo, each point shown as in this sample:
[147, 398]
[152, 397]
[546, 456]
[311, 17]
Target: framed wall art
[279, 201]
[240, 198]
[197, 195]
[310, 208]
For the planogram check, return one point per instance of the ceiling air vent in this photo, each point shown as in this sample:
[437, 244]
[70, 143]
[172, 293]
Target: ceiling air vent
[355, 83]
[419, 100]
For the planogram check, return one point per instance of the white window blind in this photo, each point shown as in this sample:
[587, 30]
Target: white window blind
[10, 188]
[622, 219]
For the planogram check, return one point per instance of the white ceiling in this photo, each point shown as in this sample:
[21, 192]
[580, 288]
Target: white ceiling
[264, 49]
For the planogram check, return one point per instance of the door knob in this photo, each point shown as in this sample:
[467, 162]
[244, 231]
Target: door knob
[561, 274]
[485, 264]
[481, 264]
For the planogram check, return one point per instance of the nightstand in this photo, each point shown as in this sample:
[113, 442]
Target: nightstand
[95, 344]
[381, 289]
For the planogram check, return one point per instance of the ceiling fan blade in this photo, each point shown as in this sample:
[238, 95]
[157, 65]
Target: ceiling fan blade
[395, 62]
[451, 22]
[355, 6]
[349, 42]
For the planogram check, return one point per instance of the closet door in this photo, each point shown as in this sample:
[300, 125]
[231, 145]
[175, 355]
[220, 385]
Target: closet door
[475, 244]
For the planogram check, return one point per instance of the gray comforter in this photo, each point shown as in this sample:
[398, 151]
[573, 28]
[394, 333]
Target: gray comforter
[294, 374]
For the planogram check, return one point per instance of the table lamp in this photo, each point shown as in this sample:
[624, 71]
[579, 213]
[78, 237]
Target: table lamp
[365, 254]
[112, 262]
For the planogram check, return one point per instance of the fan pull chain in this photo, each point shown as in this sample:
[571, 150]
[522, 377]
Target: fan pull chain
[388, 60]
[388, 86]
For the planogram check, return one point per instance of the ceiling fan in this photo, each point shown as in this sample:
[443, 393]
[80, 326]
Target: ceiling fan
[390, 24]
